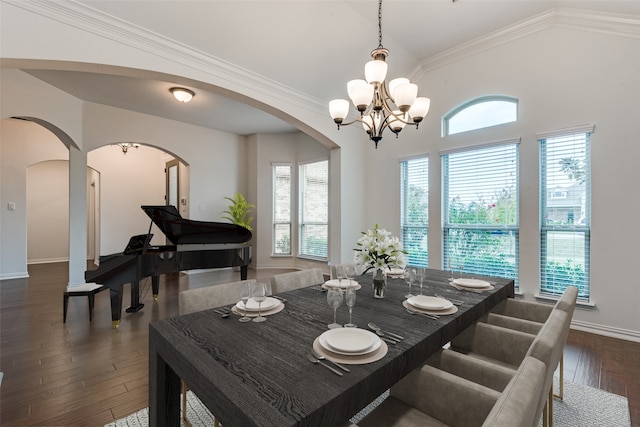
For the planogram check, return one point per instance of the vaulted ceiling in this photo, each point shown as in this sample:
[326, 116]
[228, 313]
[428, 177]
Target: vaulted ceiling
[310, 46]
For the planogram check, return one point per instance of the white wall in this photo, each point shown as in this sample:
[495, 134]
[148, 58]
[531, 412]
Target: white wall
[22, 144]
[48, 211]
[562, 78]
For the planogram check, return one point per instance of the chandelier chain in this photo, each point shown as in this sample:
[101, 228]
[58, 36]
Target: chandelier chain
[380, 24]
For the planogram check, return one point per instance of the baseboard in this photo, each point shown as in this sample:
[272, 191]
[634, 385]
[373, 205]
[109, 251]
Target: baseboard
[9, 276]
[47, 260]
[607, 331]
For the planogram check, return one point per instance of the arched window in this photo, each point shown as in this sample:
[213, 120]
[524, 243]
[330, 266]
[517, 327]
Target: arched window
[480, 113]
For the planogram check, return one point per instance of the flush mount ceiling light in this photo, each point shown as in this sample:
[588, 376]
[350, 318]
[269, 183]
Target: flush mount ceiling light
[381, 106]
[182, 94]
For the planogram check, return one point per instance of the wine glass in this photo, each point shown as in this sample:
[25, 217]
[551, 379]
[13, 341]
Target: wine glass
[245, 294]
[259, 295]
[420, 275]
[350, 300]
[409, 277]
[334, 299]
[340, 273]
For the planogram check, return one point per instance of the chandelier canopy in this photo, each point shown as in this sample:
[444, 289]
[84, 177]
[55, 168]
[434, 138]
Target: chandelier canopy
[381, 106]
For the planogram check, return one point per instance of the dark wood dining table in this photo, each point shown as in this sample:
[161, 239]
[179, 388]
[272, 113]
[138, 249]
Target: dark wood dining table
[258, 374]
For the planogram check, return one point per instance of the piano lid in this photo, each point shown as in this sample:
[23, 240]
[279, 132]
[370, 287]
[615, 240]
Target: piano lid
[185, 231]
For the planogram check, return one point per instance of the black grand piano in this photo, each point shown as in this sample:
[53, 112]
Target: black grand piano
[196, 244]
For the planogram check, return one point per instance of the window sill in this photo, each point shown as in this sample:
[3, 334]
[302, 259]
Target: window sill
[579, 303]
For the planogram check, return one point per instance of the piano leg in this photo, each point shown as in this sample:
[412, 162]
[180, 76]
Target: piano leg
[135, 298]
[115, 294]
[155, 286]
[243, 272]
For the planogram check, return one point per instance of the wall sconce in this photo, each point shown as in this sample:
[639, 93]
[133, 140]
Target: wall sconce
[182, 94]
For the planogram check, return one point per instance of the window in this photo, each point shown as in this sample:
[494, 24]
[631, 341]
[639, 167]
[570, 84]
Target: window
[282, 209]
[414, 203]
[480, 113]
[480, 210]
[565, 211]
[314, 209]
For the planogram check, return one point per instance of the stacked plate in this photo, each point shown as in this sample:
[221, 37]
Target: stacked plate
[350, 341]
[342, 284]
[473, 283]
[269, 306]
[430, 305]
[395, 272]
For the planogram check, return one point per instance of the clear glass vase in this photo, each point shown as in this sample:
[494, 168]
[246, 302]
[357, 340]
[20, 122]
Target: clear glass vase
[379, 283]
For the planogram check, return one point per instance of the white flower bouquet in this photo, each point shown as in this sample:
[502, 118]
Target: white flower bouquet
[380, 250]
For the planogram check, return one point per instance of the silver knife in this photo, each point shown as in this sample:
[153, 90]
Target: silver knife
[321, 357]
[316, 361]
[395, 336]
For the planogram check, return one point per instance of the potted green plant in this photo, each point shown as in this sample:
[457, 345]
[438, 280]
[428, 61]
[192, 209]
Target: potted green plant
[238, 211]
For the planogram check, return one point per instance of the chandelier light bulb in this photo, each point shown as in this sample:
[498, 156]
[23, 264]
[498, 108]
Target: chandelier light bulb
[362, 95]
[393, 84]
[419, 109]
[339, 108]
[375, 71]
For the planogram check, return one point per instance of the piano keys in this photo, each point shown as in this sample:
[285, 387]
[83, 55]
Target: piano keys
[196, 245]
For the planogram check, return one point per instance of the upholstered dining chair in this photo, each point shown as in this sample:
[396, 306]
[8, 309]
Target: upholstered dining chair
[494, 345]
[199, 299]
[357, 268]
[430, 397]
[529, 316]
[286, 282]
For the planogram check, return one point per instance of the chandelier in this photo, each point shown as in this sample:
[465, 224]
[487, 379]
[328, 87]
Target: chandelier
[126, 145]
[380, 106]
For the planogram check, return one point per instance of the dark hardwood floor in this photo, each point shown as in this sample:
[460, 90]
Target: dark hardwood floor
[87, 374]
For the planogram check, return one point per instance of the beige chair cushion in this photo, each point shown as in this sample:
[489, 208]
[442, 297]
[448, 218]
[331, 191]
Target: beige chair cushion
[286, 282]
[199, 299]
[516, 323]
[432, 397]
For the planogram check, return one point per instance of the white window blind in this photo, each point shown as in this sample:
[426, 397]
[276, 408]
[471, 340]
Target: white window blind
[565, 217]
[314, 209]
[282, 209]
[480, 210]
[414, 204]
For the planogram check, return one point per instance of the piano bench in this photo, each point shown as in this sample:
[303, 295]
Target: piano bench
[86, 290]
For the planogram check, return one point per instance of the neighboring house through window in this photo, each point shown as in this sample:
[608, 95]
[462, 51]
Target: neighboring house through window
[565, 211]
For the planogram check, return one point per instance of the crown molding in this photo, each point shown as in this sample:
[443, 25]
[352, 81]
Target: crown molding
[576, 19]
[226, 74]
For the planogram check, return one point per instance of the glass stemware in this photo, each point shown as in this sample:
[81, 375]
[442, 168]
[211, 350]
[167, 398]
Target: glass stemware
[340, 273]
[409, 277]
[334, 299]
[350, 300]
[420, 275]
[245, 294]
[259, 295]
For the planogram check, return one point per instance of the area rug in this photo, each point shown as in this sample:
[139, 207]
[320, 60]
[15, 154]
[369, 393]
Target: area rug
[582, 406]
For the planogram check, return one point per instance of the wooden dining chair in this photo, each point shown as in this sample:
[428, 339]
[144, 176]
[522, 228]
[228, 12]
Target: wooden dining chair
[199, 299]
[286, 282]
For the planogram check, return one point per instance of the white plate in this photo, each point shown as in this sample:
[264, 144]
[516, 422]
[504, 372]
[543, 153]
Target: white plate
[338, 336]
[252, 305]
[429, 303]
[335, 283]
[395, 272]
[471, 283]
